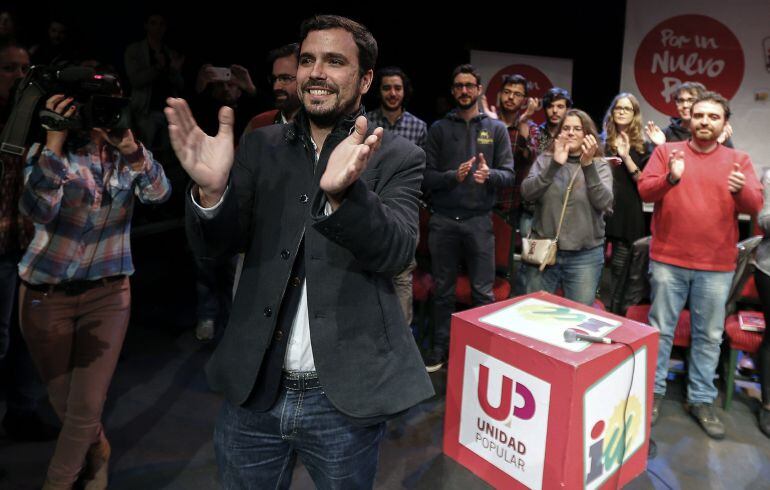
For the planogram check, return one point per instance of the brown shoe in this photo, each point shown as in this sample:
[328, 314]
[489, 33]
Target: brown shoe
[96, 473]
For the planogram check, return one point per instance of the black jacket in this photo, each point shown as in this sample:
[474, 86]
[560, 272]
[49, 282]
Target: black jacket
[365, 355]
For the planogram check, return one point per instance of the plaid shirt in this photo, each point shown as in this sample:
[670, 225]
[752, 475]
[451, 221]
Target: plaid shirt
[408, 125]
[542, 138]
[81, 206]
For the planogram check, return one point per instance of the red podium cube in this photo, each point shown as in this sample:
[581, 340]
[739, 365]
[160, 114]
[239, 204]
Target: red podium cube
[527, 409]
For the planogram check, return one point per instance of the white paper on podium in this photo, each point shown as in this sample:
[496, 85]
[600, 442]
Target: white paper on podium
[546, 322]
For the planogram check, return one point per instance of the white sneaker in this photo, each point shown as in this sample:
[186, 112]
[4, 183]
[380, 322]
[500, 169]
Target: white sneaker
[204, 330]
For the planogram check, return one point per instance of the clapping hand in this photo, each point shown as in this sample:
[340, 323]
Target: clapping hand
[348, 161]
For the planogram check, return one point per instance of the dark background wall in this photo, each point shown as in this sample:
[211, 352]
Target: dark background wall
[426, 45]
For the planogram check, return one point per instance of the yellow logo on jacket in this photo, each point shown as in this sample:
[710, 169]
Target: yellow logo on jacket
[484, 138]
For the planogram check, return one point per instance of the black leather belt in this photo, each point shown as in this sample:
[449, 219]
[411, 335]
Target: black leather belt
[300, 380]
[72, 288]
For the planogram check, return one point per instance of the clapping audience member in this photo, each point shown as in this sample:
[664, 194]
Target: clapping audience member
[155, 73]
[623, 139]
[571, 169]
[692, 252]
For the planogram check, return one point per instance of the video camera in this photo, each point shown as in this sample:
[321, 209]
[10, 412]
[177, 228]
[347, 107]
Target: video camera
[96, 97]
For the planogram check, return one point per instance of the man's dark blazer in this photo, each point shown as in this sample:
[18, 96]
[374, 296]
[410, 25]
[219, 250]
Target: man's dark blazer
[365, 355]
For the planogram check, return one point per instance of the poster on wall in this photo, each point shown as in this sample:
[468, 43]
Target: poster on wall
[723, 45]
[541, 73]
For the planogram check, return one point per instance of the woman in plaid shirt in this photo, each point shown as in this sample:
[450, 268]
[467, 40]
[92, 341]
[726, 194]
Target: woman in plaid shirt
[75, 296]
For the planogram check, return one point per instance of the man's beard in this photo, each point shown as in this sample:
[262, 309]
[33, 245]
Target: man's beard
[389, 106]
[287, 103]
[467, 105]
[327, 117]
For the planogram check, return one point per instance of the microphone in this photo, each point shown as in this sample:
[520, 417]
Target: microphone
[571, 335]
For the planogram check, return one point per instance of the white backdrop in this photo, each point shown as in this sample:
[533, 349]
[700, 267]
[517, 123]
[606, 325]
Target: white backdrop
[724, 45]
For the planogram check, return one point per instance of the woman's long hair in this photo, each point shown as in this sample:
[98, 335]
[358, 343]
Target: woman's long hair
[634, 131]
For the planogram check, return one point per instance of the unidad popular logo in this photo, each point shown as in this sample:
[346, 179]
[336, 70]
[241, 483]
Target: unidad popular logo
[607, 449]
[497, 440]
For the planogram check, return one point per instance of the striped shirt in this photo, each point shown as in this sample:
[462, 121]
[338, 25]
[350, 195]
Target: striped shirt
[81, 206]
[408, 125]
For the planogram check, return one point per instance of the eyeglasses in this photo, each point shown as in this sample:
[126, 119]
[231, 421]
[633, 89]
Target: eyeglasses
[466, 86]
[683, 100]
[574, 129]
[620, 109]
[283, 78]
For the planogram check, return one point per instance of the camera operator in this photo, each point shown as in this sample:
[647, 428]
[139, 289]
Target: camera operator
[75, 297]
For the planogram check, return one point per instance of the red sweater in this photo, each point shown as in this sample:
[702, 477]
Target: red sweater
[694, 224]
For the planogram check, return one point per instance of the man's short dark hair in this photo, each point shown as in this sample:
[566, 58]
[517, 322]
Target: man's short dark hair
[554, 94]
[695, 88]
[367, 45]
[708, 96]
[469, 69]
[393, 71]
[515, 79]
[282, 52]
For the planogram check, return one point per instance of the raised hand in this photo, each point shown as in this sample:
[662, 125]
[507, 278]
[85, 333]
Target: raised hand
[490, 111]
[533, 103]
[654, 133]
[242, 78]
[588, 150]
[62, 105]
[561, 148]
[348, 161]
[481, 174]
[676, 164]
[123, 140]
[464, 169]
[736, 180]
[727, 133]
[206, 159]
[623, 144]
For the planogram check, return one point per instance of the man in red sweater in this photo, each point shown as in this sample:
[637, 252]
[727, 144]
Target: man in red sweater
[698, 187]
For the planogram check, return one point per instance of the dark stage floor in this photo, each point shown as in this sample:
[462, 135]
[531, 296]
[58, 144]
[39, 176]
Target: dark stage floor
[160, 414]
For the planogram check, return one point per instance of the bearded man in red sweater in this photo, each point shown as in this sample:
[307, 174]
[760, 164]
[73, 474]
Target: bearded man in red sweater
[698, 186]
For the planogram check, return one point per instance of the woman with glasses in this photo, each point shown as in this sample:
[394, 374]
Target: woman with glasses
[574, 156]
[624, 140]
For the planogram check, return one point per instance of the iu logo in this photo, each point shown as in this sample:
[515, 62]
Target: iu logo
[503, 411]
[613, 438]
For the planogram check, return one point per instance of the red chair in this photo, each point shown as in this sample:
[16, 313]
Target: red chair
[739, 340]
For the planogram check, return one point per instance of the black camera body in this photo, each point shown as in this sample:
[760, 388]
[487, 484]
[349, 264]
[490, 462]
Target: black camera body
[97, 98]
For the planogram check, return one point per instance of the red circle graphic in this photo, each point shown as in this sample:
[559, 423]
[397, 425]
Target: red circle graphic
[538, 84]
[687, 48]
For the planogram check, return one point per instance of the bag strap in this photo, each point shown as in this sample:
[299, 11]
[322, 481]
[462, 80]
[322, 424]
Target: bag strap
[564, 206]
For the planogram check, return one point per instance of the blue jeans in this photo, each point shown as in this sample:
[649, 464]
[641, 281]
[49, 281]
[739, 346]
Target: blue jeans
[525, 226]
[708, 293]
[258, 449]
[578, 272]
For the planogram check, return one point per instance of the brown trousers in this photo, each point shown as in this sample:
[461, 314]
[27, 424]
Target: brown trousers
[75, 342]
